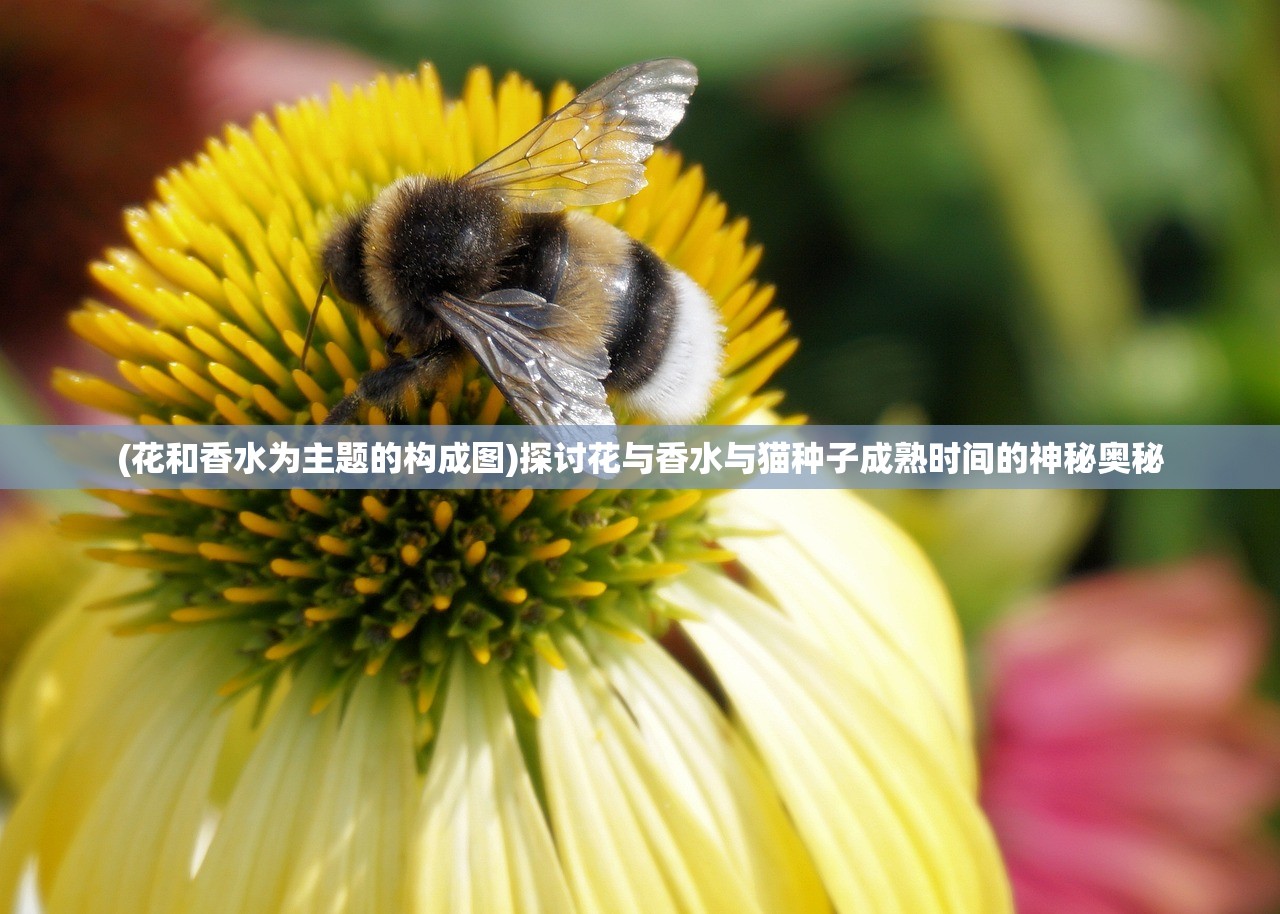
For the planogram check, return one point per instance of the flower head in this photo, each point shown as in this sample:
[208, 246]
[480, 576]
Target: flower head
[1127, 768]
[419, 701]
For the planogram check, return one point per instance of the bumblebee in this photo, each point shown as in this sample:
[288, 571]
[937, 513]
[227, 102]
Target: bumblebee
[558, 307]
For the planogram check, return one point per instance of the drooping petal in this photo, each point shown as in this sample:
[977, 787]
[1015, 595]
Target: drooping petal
[720, 779]
[861, 616]
[142, 760]
[263, 849]
[483, 845]
[839, 546]
[891, 830]
[75, 654]
[134, 850]
[629, 842]
[354, 857]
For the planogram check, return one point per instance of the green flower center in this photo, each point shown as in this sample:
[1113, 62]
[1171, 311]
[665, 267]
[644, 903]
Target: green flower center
[213, 297]
[397, 582]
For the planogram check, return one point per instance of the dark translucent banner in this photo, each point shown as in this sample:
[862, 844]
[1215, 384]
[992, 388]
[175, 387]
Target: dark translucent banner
[679, 457]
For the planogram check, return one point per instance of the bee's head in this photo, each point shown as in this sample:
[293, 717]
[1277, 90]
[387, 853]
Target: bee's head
[343, 259]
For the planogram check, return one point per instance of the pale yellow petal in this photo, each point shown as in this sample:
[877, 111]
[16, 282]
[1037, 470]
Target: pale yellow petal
[718, 777]
[124, 769]
[628, 841]
[860, 554]
[858, 615]
[134, 850]
[253, 857]
[41, 571]
[890, 829]
[483, 845]
[74, 656]
[355, 854]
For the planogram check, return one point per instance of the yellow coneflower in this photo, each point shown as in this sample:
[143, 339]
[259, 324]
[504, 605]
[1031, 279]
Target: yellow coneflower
[414, 701]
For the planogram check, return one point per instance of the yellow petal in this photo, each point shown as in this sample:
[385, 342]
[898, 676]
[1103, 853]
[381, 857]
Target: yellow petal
[353, 858]
[483, 845]
[877, 569]
[856, 607]
[718, 777]
[253, 857]
[134, 850]
[73, 657]
[627, 841]
[891, 830]
[141, 760]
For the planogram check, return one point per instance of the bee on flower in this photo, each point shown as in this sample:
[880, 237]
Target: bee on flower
[373, 701]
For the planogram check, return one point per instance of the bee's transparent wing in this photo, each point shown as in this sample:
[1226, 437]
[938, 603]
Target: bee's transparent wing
[593, 150]
[511, 333]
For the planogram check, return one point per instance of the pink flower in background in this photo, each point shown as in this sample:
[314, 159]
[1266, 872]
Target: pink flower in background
[235, 71]
[1128, 767]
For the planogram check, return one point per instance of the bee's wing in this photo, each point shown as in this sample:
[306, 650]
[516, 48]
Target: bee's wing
[511, 334]
[593, 149]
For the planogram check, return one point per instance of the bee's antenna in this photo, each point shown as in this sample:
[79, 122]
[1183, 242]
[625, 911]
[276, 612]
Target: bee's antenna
[311, 323]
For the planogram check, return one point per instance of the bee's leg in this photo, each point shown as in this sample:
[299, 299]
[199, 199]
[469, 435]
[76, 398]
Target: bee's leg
[384, 387]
